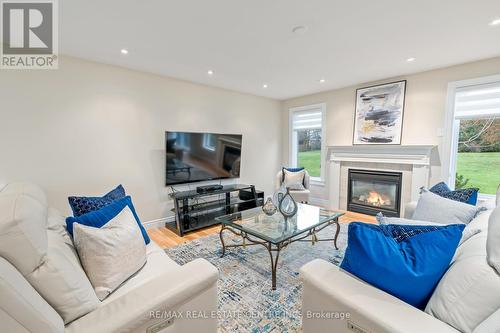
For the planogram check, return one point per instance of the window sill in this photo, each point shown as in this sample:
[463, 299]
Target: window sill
[485, 197]
[317, 182]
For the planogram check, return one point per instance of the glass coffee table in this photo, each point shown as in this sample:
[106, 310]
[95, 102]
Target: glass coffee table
[275, 233]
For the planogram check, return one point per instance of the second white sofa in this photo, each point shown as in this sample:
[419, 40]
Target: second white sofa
[465, 300]
[162, 297]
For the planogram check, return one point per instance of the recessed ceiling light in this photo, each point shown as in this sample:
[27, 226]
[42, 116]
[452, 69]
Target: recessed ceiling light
[495, 22]
[124, 51]
[265, 86]
[210, 72]
[322, 80]
[411, 59]
[299, 30]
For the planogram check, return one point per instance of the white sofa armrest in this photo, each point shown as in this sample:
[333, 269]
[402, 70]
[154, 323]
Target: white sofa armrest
[333, 299]
[410, 209]
[187, 295]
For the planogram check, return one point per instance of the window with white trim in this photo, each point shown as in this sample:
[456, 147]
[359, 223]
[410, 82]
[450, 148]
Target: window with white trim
[209, 141]
[307, 135]
[475, 152]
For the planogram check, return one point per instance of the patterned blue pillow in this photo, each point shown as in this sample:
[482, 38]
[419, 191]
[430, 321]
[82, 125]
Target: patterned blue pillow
[402, 232]
[467, 195]
[84, 205]
[102, 216]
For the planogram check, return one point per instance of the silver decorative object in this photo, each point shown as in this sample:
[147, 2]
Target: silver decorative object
[269, 208]
[288, 207]
[279, 194]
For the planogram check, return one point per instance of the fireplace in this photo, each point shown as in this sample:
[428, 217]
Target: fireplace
[370, 192]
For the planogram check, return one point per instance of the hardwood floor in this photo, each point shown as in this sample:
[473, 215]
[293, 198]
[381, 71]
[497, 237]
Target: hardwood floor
[166, 238]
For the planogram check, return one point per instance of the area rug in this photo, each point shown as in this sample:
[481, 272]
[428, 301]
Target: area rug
[246, 301]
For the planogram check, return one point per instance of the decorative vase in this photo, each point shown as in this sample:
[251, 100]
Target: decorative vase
[280, 193]
[269, 208]
[288, 207]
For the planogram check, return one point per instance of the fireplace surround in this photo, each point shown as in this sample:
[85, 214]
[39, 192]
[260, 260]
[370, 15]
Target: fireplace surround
[373, 191]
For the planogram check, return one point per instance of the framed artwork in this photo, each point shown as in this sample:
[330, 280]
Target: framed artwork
[379, 114]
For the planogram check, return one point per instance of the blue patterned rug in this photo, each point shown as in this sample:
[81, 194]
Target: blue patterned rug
[244, 288]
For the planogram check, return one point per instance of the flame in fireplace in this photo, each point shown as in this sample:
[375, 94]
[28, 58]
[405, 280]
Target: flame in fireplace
[377, 199]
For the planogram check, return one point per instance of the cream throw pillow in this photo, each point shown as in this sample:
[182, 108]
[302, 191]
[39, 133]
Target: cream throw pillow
[294, 180]
[112, 253]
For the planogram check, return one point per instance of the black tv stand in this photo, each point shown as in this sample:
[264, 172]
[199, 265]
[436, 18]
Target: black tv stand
[209, 188]
[195, 210]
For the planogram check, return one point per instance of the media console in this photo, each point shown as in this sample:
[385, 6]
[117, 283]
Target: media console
[206, 189]
[194, 209]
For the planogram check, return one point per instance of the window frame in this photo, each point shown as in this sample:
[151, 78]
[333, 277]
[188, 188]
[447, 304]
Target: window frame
[292, 138]
[452, 129]
[206, 142]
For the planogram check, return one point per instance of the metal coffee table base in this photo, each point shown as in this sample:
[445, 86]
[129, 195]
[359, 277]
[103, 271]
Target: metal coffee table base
[275, 248]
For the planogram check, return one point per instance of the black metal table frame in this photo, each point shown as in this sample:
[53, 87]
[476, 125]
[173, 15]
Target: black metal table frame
[276, 248]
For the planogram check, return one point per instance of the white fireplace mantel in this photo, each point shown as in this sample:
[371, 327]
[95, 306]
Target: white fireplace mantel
[382, 154]
[418, 156]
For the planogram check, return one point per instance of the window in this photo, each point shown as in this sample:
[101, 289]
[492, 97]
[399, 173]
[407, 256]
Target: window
[209, 141]
[181, 140]
[475, 152]
[307, 135]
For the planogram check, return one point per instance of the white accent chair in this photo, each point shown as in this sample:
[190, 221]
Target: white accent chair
[297, 195]
[146, 302]
[463, 298]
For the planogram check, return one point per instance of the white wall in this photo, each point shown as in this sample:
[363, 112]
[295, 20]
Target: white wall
[426, 97]
[87, 127]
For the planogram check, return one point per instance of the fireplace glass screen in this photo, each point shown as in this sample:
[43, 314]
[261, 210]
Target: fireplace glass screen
[371, 192]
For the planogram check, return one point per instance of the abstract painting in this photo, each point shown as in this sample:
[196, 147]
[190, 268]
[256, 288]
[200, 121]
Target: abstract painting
[379, 114]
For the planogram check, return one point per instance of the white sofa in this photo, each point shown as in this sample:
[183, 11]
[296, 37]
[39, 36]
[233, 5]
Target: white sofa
[162, 297]
[467, 297]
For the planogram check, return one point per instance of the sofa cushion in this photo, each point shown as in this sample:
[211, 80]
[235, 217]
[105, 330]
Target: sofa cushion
[491, 324]
[409, 269]
[102, 216]
[112, 253]
[434, 208]
[61, 280]
[56, 222]
[468, 292]
[23, 235]
[84, 205]
[158, 263]
[466, 195]
[493, 241]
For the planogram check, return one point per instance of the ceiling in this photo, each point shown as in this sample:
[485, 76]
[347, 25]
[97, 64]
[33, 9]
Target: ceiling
[250, 43]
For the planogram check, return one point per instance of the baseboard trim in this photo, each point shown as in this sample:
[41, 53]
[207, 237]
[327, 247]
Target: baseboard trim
[319, 202]
[158, 222]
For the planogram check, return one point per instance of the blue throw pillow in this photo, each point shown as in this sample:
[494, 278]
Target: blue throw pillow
[102, 216]
[84, 205]
[404, 261]
[466, 195]
[294, 169]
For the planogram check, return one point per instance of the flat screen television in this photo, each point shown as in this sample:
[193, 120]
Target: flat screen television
[195, 157]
